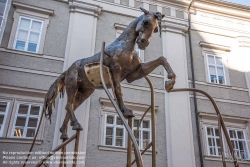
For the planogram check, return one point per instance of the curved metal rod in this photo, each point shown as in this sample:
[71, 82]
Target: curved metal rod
[130, 133]
[137, 130]
[57, 148]
[152, 122]
[34, 139]
[220, 117]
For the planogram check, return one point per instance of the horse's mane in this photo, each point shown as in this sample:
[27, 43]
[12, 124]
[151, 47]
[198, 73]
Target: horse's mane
[159, 18]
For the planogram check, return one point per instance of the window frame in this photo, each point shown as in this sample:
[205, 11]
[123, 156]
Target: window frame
[125, 133]
[244, 140]
[29, 31]
[224, 56]
[4, 20]
[31, 12]
[215, 65]
[13, 100]
[107, 108]
[211, 120]
[214, 137]
[114, 126]
[5, 117]
[141, 130]
[27, 116]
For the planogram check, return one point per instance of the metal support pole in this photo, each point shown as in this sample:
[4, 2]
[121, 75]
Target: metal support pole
[76, 148]
[219, 117]
[63, 156]
[32, 145]
[129, 149]
[152, 122]
[221, 143]
[56, 149]
[130, 133]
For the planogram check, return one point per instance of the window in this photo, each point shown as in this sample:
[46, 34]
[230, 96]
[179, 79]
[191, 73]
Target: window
[29, 28]
[237, 130]
[114, 131]
[179, 14]
[19, 119]
[144, 134]
[28, 34]
[113, 134]
[216, 70]
[4, 107]
[216, 63]
[26, 120]
[213, 141]
[239, 143]
[4, 8]
[237, 138]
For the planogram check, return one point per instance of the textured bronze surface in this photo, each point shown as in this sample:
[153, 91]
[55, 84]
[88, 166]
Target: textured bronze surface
[123, 62]
[93, 74]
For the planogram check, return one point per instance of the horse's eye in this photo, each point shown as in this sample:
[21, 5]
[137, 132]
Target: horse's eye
[145, 22]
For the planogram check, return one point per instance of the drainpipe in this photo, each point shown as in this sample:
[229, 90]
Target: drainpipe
[193, 85]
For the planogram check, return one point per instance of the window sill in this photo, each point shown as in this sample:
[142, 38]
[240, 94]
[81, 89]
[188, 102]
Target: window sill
[17, 140]
[31, 54]
[216, 158]
[119, 149]
[220, 85]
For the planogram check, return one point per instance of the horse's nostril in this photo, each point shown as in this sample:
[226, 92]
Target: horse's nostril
[143, 40]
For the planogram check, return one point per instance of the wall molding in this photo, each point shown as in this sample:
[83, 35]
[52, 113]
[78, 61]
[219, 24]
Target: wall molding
[223, 100]
[24, 141]
[85, 8]
[106, 104]
[33, 8]
[220, 86]
[174, 27]
[26, 91]
[227, 118]
[142, 88]
[214, 46]
[42, 56]
[26, 70]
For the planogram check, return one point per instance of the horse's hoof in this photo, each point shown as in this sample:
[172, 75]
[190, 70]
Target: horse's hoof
[128, 113]
[77, 126]
[71, 123]
[64, 136]
[169, 85]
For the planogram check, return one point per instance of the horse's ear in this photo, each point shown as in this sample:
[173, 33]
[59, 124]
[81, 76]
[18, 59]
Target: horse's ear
[144, 10]
[159, 16]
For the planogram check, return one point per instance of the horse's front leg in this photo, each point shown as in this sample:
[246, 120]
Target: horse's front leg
[116, 75]
[147, 68]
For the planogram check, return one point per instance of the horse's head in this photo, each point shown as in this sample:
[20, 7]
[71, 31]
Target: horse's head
[147, 25]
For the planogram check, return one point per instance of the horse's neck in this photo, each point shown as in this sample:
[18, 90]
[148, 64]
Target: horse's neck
[129, 35]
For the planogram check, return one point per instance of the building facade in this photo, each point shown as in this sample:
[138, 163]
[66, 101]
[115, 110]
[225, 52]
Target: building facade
[209, 51]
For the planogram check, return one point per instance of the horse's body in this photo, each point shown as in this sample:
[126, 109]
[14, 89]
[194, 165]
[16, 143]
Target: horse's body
[123, 62]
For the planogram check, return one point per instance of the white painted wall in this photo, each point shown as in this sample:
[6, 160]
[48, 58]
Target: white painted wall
[180, 147]
[80, 44]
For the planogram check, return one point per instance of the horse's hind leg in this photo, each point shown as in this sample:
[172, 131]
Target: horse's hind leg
[64, 126]
[72, 89]
[80, 97]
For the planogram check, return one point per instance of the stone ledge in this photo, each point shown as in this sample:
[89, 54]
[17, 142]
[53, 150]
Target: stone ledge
[19, 141]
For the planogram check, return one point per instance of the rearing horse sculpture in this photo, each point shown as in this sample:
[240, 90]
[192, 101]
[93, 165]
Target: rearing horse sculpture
[122, 61]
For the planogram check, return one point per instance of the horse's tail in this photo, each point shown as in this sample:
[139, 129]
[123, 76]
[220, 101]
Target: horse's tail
[55, 88]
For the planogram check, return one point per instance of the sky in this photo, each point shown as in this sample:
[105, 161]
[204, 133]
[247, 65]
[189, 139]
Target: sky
[242, 2]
